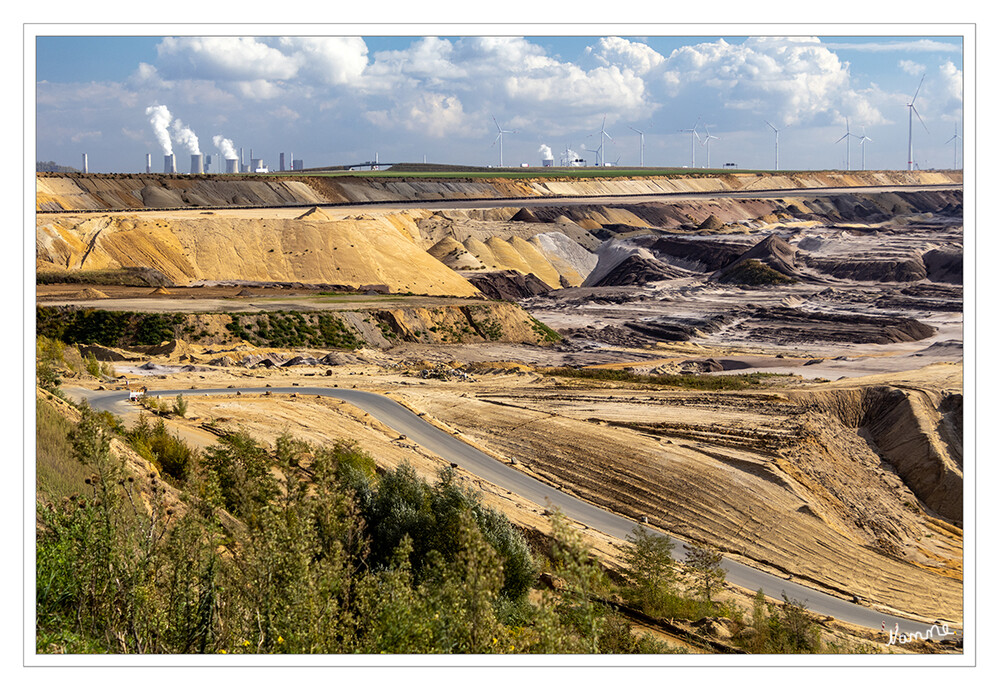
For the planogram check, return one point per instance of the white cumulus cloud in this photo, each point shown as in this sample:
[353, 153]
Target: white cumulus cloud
[794, 80]
[227, 58]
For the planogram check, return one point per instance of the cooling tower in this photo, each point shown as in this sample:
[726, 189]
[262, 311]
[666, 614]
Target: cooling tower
[232, 165]
[197, 164]
[281, 163]
[298, 165]
[256, 164]
[169, 164]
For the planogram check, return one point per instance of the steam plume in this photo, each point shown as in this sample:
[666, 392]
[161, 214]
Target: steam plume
[545, 151]
[225, 146]
[186, 137]
[159, 118]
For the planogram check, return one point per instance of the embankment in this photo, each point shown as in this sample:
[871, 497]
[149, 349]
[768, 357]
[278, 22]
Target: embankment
[68, 191]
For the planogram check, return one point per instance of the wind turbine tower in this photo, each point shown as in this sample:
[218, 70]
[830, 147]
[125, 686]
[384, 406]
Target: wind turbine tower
[693, 135]
[776, 145]
[708, 136]
[863, 149]
[641, 135]
[957, 137]
[499, 138]
[847, 137]
[912, 109]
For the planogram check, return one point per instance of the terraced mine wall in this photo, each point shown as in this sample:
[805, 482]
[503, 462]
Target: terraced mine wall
[68, 191]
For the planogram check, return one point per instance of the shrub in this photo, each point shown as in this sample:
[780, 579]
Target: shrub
[93, 368]
[180, 406]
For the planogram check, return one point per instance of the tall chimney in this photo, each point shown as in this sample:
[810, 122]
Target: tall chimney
[231, 165]
[149, 163]
[197, 164]
[208, 162]
[170, 164]
[85, 169]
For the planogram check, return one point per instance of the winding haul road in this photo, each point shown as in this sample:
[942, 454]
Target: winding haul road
[446, 446]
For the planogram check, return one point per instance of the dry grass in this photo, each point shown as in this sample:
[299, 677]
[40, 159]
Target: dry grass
[57, 472]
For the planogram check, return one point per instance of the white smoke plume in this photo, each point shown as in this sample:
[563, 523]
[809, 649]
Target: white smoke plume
[159, 118]
[186, 137]
[225, 146]
[545, 151]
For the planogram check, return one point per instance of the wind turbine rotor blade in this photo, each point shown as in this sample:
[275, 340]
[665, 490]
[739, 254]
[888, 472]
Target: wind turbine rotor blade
[920, 119]
[918, 88]
[842, 138]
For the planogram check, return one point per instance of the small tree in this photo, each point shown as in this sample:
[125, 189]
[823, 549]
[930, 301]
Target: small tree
[651, 568]
[704, 566]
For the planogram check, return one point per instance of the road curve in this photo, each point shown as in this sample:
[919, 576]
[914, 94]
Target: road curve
[446, 446]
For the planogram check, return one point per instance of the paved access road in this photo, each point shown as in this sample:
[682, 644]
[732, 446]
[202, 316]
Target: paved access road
[446, 446]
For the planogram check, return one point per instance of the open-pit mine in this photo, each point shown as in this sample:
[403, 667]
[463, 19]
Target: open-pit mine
[767, 363]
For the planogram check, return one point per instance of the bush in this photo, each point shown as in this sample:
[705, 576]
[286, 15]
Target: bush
[782, 628]
[403, 505]
[168, 453]
[93, 368]
[180, 406]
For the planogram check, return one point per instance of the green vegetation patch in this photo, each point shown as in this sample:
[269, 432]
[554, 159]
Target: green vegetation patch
[545, 334]
[294, 329]
[109, 328]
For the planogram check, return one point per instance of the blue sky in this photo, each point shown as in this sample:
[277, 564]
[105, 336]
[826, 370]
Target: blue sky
[344, 99]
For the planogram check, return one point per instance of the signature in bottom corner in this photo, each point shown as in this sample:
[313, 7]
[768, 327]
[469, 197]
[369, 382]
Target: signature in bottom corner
[896, 637]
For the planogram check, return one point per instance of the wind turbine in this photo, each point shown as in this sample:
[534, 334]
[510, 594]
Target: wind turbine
[693, 134]
[863, 148]
[955, 139]
[847, 137]
[642, 139]
[912, 109]
[499, 138]
[776, 145]
[708, 136]
[600, 150]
